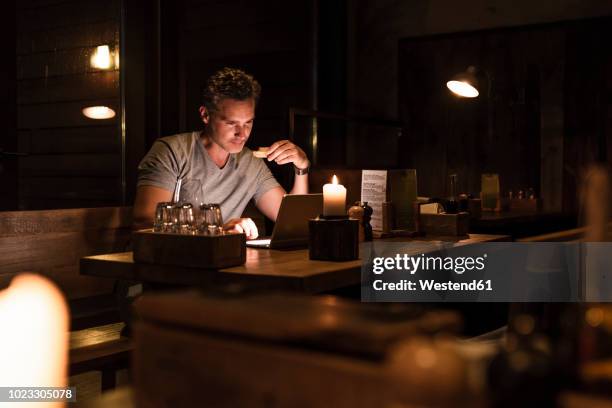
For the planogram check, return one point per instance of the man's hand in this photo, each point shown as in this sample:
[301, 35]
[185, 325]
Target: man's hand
[241, 225]
[284, 151]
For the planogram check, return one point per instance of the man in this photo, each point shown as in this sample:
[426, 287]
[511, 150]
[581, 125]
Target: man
[214, 164]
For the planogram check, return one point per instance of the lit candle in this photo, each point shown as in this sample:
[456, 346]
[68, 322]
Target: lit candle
[334, 198]
[34, 339]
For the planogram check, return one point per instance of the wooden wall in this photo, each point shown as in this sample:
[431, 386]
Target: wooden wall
[545, 120]
[587, 102]
[8, 114]
[498, 132]
[71, 161]
[373, 70]
[172, 47]
[375, 27]
[271, 40]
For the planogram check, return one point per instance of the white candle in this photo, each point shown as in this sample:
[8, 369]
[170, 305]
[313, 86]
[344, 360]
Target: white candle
[334, 198]
[34, 339]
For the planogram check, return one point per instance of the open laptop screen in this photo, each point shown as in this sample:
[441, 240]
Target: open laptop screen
[291, 228]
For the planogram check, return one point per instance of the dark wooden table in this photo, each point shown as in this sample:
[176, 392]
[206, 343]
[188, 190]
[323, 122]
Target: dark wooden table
[264, 268]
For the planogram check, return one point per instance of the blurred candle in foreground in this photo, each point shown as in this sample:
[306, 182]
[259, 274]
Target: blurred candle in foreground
[334, 198]
[34, 335]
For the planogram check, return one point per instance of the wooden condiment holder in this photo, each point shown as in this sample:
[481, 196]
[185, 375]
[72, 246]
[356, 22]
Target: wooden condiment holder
[333, 239]
[194, 251]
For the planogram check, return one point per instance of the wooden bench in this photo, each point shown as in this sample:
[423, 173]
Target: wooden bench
[100, 349]
[571, 235]
[51, 243]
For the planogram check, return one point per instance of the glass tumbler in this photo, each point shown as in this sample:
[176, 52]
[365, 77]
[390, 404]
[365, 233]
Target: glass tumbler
[163, 221]
[183, 217]
[212, 220]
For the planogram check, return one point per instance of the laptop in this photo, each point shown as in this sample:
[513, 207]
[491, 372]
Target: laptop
[291, 228]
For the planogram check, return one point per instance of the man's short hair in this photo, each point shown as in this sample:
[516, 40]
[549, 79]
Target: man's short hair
[229, 83]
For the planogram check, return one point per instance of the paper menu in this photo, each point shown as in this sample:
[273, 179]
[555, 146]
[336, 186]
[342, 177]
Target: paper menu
[374, 191]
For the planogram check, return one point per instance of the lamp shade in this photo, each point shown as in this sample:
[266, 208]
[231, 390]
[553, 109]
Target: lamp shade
[464, 84]
[98, 112]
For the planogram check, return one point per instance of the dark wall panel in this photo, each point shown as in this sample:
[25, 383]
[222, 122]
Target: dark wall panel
[105, 32]
[9, 192]
[62, 114]
[35, 16]
[70, 165]
[70, 159]
[271, 40]
[80, 87]
[90, 139]
[539, 122]
[494, 133]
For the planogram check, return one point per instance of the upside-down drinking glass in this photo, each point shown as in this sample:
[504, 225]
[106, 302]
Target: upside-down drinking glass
[183, 218]
[212, 220]
[164, 217]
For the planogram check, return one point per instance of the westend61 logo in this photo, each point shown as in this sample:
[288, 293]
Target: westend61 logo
[412, 264]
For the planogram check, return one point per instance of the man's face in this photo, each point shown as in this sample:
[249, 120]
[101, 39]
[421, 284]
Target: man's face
[230, 126]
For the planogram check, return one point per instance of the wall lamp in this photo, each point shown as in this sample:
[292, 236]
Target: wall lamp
[98, 112]
[465, 84]
[104, 58]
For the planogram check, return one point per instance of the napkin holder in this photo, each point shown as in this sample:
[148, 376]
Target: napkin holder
[193, 251]
[445, 224]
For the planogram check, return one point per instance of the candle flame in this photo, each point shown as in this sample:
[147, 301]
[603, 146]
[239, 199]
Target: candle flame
[34, 341]
[334, 179]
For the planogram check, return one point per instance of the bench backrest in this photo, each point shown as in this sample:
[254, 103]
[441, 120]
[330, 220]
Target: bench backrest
[51, 242]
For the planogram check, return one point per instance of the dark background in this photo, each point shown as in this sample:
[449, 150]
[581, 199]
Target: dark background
[546, 117]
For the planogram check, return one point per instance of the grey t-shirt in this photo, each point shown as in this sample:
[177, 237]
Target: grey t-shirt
[244, 176]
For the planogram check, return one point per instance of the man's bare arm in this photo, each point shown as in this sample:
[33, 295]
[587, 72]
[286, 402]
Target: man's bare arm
[284, 152]
[300, 184]
[146, 200]
[269, 203]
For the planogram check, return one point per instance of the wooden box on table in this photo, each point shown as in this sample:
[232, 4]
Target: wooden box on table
[333, 239]
[195, 251]
[445, 224]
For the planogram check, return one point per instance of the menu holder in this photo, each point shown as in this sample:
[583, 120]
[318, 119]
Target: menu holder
[390, 193]
[193, 251]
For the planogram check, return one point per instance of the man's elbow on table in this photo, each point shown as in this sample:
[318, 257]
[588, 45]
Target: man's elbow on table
[145, 203]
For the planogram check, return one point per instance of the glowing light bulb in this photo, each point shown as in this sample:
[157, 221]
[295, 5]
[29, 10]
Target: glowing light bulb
[462, 89]
[101, 58]
[99, 112]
